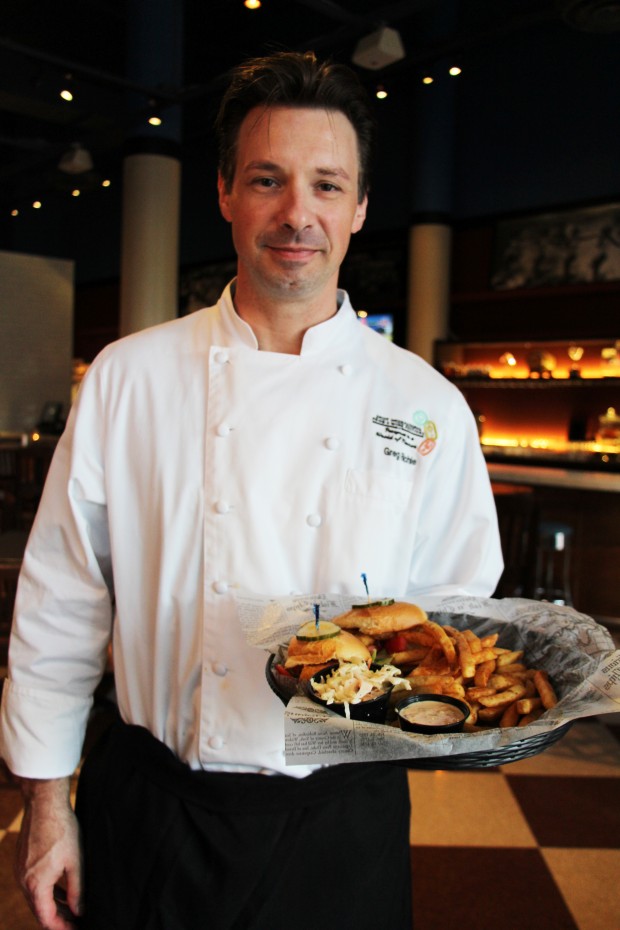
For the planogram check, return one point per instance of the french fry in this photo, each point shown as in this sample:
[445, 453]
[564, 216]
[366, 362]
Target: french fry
[500, 682]
[486, 654]
[503, 697]
[509, 658]
[527, 704]
[544, 688]
[443, 639]
[510, 717]
[490, 714]
[483, 673]
[474, 641]
[410, 657]
[466, 659]
[488, 641]
[418, 637]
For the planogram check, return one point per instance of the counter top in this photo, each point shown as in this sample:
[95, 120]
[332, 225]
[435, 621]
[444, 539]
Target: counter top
[554, 477]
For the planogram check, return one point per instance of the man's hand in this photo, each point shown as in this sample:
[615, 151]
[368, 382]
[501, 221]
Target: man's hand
[49, 854]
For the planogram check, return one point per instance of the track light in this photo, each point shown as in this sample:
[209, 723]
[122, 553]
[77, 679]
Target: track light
[66, 92]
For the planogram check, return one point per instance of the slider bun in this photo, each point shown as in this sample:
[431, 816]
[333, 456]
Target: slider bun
[345, 646]
[382, 620]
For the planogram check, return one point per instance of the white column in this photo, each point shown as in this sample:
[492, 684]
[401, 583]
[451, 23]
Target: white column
[150, 240]
[428, 292]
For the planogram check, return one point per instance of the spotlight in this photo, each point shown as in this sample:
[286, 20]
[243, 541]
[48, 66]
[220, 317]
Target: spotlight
[154, 117]
[381, 93]
[455, 70]
[66, 93]
[427, 79]
[252, 4]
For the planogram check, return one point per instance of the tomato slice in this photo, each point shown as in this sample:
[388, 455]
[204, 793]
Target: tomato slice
[397, 643]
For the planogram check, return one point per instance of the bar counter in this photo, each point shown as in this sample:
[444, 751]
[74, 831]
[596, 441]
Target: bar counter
[541, 476]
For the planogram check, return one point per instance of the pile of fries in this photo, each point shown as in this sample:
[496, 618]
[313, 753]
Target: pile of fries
[498, 687]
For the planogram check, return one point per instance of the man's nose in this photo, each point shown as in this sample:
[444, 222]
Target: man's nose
[295, 210]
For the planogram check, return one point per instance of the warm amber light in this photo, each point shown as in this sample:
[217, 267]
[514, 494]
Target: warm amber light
[381, 93]
[37, 205]
[106, 183]
[75, 193]
[251, 4]
[454, 70]
[362, 314]
[14, 212]
[427, 79]
[155, 120]
[35, 437]
[66, 95]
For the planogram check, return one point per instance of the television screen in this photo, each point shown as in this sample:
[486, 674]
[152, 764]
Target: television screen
[381, 322]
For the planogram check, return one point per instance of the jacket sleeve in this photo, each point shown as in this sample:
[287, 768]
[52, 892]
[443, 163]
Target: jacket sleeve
[457, 549]
[63, 610]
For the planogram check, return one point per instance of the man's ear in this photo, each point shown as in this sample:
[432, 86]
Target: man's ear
[360, 215]
[224, 198]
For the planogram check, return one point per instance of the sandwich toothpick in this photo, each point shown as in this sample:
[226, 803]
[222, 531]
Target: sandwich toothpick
[316, 617]
[366, 585]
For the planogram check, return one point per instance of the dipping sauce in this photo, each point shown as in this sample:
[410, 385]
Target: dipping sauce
[432, 713]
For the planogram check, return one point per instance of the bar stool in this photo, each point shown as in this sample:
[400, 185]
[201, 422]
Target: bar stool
[553, 563]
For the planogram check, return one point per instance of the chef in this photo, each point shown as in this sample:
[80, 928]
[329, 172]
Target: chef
[271, 443]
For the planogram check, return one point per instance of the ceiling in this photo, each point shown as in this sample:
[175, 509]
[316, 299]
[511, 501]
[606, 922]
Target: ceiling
[41, 43]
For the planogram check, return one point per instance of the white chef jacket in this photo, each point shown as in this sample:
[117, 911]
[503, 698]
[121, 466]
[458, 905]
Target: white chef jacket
[193, 464]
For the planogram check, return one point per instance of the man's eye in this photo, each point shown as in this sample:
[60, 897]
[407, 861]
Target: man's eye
[328, 187]
[264, 182]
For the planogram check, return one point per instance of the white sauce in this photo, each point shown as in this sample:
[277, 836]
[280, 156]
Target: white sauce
[432, 713]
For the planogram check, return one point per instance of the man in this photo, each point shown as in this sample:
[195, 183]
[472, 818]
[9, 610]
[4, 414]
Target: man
[272, 443]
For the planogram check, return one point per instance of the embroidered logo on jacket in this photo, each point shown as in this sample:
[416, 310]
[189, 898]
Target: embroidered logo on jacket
[419, 435]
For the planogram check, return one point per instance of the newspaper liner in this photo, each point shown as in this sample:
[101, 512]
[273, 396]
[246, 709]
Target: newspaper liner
[576, 651]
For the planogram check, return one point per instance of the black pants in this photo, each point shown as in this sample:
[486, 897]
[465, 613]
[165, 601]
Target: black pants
[171, 849]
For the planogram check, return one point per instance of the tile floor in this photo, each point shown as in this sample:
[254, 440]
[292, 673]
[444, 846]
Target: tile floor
[534, 844]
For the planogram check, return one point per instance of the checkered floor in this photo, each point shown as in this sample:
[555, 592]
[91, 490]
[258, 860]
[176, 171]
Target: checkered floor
[535, 844]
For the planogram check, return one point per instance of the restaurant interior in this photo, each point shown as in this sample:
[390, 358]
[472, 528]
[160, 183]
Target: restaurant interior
[491, 248]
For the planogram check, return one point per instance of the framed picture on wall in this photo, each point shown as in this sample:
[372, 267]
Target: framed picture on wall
[563, 247]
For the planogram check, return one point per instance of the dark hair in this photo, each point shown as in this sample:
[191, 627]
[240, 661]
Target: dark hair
[293, 79]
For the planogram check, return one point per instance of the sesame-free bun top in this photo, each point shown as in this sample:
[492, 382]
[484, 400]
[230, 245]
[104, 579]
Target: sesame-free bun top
[382, 620]
[345, 647]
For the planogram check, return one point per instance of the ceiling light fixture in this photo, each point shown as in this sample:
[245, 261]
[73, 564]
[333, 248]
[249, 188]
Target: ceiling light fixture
[66, 93]
[76, 160]
[379, 49]
[455, 70]
[252, 4]
[427, 79]
[381, 93]
[37, 205]
[154, 117]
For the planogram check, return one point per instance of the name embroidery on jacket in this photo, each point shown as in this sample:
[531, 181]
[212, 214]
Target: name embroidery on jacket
[419, 435]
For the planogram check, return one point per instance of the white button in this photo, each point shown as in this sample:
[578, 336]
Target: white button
[332, 443]
[220, 669]
[221, 357]
[223, 429]
[216, 742]
[313, 519]
[222, 506]
[220, 587]
[346, 370]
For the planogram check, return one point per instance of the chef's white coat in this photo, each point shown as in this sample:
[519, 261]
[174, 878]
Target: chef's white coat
[193, 464]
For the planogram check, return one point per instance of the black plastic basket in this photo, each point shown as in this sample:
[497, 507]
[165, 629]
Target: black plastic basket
[486, 758]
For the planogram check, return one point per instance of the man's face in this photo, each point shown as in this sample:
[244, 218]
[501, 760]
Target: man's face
[293, 201]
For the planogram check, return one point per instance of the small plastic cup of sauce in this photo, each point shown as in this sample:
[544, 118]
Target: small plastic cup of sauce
[431, 713]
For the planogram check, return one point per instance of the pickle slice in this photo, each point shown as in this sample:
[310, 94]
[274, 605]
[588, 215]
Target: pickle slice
[386, 602]
[311, 631]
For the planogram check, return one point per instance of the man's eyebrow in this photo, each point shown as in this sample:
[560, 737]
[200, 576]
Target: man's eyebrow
[271, 166]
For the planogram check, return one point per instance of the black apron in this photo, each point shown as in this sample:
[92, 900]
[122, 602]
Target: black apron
[168, 848]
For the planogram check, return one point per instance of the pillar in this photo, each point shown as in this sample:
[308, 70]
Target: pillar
[151, 169]
[430, 232]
